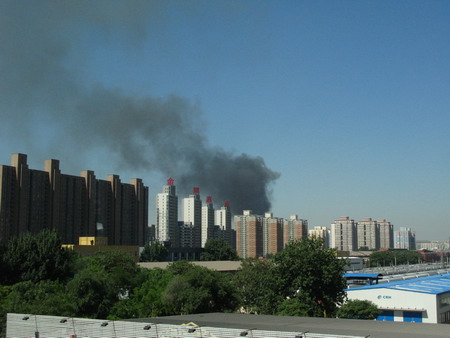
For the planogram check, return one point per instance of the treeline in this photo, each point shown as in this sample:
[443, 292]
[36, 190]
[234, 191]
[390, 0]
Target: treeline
[216, 249]
[394, 257]
[43, 278]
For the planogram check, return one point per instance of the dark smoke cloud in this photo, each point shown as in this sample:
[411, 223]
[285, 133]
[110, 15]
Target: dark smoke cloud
[39, 48]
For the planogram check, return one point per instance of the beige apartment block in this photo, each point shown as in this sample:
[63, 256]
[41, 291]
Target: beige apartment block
[386, 234]
[321, 232]
[294, 229]
[76, 206]
[343, 234]
[368, 234]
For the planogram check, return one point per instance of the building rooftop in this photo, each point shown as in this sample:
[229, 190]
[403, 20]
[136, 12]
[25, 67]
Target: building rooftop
[222, 266]
[218, 325]
[362, 275]
[434, 285]
[315, 327]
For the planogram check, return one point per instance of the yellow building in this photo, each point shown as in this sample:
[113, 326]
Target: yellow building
[89, 246]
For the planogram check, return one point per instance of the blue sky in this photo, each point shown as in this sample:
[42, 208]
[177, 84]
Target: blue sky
[347, 100]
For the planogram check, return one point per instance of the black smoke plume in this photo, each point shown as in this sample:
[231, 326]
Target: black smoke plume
[42, 69]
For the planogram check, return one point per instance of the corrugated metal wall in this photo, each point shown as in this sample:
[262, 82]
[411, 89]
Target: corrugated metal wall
[24, 326]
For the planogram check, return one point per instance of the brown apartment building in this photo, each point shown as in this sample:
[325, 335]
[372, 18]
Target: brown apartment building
[260, 236]
[249, 235]
[31, 200]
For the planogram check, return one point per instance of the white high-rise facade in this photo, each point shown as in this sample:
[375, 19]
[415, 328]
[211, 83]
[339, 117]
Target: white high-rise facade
[167, 214]
[404, 238]
[321, 232]
[222, 225]
[223, 217]
[207, 220]
[192, 208]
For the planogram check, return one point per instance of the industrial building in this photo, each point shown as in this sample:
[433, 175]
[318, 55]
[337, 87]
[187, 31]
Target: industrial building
[421, 300]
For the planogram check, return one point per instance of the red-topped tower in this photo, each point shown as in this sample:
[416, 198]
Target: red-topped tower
[207, 220]
[167, 214]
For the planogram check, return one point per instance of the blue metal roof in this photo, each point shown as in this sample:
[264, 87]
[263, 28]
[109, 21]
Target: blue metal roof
[362, 275]
[434, 285]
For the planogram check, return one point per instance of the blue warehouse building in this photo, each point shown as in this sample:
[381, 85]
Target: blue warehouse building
[419, 300]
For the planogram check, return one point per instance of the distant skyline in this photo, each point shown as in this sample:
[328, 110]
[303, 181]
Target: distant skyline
[336, 108]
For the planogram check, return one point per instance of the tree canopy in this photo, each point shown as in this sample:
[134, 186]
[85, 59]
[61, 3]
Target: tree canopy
[36, 257]
[257, 286]
[358, 309]
[302, 280]
[312, 274]
[197, 289]
[154, 252]
[102, 280]
[394, 257]
[44, 297]
[146, 300]
[217, 249]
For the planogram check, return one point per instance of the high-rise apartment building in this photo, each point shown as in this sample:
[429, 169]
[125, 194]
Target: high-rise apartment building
[367, 235]
[294, 229]
[207, 221]
[31, 200]
[249, 235]
[189, 235]
[272, 234]
[348, 235]
[167, 214]
[222, 225]
[386, 234]
[192, 208]
[223, 217]
[321, 232]
[343, 234]
[404, 238]
[258, 236]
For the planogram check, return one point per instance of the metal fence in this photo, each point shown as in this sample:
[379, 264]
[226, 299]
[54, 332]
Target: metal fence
[36, 326]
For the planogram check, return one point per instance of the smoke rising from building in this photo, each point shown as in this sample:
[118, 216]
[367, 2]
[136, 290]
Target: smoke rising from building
[45, 81]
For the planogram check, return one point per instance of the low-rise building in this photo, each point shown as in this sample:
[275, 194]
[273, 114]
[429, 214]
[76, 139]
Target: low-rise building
[419, 300]
[89, 246]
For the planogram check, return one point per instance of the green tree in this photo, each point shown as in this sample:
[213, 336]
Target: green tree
[358, 309]
[257, 286]
[394, 257]
[37, 257]
[154, 252]
[101, 281]
[217, 249]
[295, 307]
[4, 292]
[120, 267]
[146, 299]
[312, 274]
[44, 297]
[195, 289]
[91, 293]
